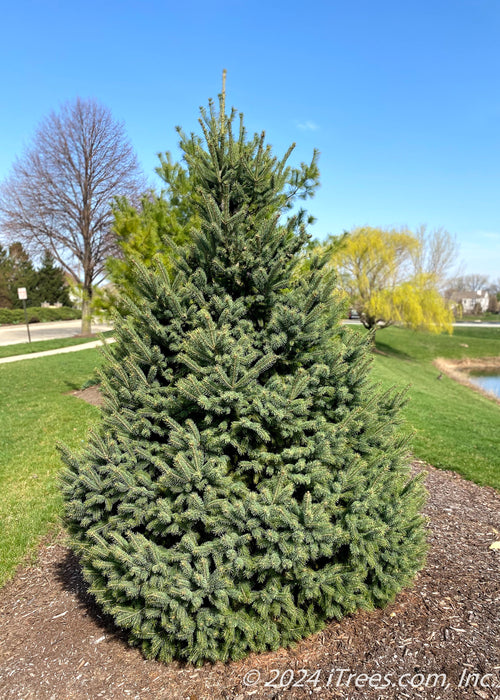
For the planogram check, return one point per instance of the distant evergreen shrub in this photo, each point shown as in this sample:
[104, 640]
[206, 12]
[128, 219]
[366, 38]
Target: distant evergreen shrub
[246, 483]
[51, 285]
[37, 314]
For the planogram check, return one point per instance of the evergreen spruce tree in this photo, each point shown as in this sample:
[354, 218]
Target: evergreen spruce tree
[246, 484]
[21, 273]
[5, 298]
[50, 283]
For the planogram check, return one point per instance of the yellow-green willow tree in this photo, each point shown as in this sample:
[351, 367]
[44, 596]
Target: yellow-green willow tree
[376, 269]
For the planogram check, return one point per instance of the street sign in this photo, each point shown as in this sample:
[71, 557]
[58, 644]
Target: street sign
[23, 295]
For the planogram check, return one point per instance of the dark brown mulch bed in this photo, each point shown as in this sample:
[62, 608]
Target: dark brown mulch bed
[55, 644]
[91, 394]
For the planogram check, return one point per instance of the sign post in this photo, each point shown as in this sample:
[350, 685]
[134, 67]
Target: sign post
[23, 295]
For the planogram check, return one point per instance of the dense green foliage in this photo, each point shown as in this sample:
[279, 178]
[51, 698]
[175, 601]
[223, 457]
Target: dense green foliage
[16, 270]
[246, 483]
[4, 282]
[47, 284]
[50, 282]
[153, 230]
[163, 222]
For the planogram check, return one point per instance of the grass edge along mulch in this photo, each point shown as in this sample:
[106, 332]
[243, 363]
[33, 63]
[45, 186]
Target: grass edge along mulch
[55, 643]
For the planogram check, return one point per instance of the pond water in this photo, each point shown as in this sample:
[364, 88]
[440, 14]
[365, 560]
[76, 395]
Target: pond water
[489, 382]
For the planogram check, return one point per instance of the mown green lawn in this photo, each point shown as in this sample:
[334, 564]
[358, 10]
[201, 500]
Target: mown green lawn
[453, 426]
[42, 345]
[415, 345]
[485, 316]
[36, 411]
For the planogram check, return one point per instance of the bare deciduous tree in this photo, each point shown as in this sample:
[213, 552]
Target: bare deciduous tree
[470, 283]
[58, 194]
[437, 254]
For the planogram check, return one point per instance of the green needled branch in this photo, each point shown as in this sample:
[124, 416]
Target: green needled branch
[246, 483]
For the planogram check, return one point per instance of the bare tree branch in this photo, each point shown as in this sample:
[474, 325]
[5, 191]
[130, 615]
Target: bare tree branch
[58, 195]
[437, 255]
[470, 283]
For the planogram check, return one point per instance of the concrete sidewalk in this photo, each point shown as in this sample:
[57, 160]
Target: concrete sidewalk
[10, 335]
[58, 351]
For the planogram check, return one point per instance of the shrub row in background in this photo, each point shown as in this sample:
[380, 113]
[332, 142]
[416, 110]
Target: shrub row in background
[37, 314]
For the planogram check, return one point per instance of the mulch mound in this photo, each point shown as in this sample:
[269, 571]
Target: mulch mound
[54, 643]
[92, 395]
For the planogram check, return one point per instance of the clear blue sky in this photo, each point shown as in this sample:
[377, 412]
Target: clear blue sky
[401, 98]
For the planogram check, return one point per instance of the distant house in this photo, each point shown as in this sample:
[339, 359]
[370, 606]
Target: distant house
[470, 302]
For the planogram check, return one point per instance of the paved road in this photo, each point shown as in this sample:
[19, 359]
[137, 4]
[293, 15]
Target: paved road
[479, 324]
[9, 335]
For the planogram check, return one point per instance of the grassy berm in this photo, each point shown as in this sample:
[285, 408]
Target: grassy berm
[454, 427]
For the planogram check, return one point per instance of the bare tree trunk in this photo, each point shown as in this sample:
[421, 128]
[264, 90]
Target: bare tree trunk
[87, 312]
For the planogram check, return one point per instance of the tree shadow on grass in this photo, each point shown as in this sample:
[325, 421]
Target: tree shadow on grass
[382, 348]
[71, 386]
[93, 382]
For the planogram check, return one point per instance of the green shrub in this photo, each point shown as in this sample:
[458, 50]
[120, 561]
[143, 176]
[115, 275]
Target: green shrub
[246, 483]
[38, 314]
